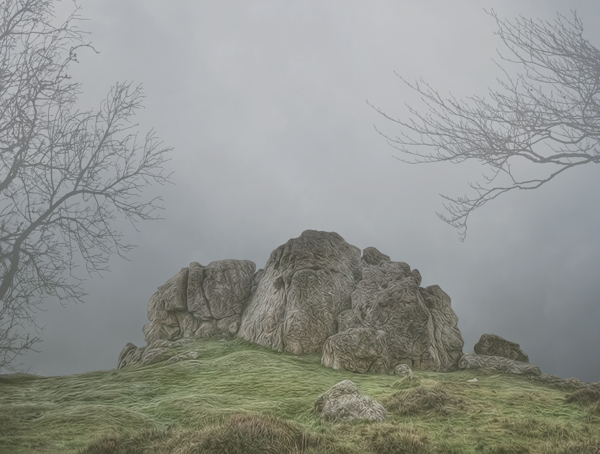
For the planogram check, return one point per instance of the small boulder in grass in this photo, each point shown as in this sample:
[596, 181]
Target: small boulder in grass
[494, 345]
[403, 369]
[343, 402]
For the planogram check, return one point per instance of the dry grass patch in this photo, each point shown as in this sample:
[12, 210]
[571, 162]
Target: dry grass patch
[239, 434]
[408, 382]
[585, 396]
[588, 398]
[424, 400]
[594, 409]
[395, 439]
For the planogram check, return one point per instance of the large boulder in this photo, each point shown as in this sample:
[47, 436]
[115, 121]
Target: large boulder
[420, 324]
[316, 290]
[201, 301]
[499, 363]
[306, 284]
[344, 402]
[493, 345]
[357, 350]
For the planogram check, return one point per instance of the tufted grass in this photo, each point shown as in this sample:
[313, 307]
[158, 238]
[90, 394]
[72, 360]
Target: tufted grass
[240, 398]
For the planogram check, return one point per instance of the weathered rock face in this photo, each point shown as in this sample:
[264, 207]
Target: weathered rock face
[357, 350]
[343, 402]
[383, 317]
[126, 350]
[566, 383]
[315, 294]
[505, 365]
[201, 301]
[155, 352]
[493, 345]
[420, 324]
[306, 284]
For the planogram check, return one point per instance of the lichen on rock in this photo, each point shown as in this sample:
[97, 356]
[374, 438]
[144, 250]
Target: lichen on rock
[201, 301]
[494, 345]
[307, 283]
[420, 324]
[357, 350]
[344, 402]
[316, 294]
[499, 363]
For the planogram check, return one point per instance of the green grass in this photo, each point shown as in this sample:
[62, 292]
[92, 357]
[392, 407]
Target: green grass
[238, 397]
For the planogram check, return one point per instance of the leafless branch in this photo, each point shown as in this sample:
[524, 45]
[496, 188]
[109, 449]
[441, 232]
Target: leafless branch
[65, 175]
[548, 113]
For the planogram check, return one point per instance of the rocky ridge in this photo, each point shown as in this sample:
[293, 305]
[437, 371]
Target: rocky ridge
[316, 294]
[319, 294]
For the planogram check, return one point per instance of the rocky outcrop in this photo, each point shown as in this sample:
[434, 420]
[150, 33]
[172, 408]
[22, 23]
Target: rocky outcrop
[317, 287]
[343, 402]
[493, 345]
[420, 325]
[126, 350]
[201, 301]
[306, 284]
[357, 350]
[499, 363]
[316, 294]
[155, 352]
[565, 383]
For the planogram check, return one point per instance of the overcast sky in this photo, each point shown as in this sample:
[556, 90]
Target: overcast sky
[265, 105]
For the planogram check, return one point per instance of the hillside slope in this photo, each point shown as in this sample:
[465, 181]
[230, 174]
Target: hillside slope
[239, 397]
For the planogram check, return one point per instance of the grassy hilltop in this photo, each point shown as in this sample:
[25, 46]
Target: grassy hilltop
[238, 397]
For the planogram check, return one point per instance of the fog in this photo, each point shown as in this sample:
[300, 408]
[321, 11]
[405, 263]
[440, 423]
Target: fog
[265, 104]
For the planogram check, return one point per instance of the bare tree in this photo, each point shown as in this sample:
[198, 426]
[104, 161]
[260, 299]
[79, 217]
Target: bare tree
[546, 113]
[65, 174]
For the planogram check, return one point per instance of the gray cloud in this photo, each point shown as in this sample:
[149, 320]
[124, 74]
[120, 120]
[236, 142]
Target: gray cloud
[264, 103]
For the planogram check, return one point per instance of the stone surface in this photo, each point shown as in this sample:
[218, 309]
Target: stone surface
[372, 256]
[220, 289]
[420, 324]
[565, 383]
[173, 293]
[128, 348]
[155, 355]
[403, 369]
[201, 301]
[343, 402]
[314, 289]
[306, 284]
[132, 358]
[447, 340]
[183, 357]
[207, 328]
[155, 330]
[493, 345]
[157, 351]
[357, 350]
[499, 363]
